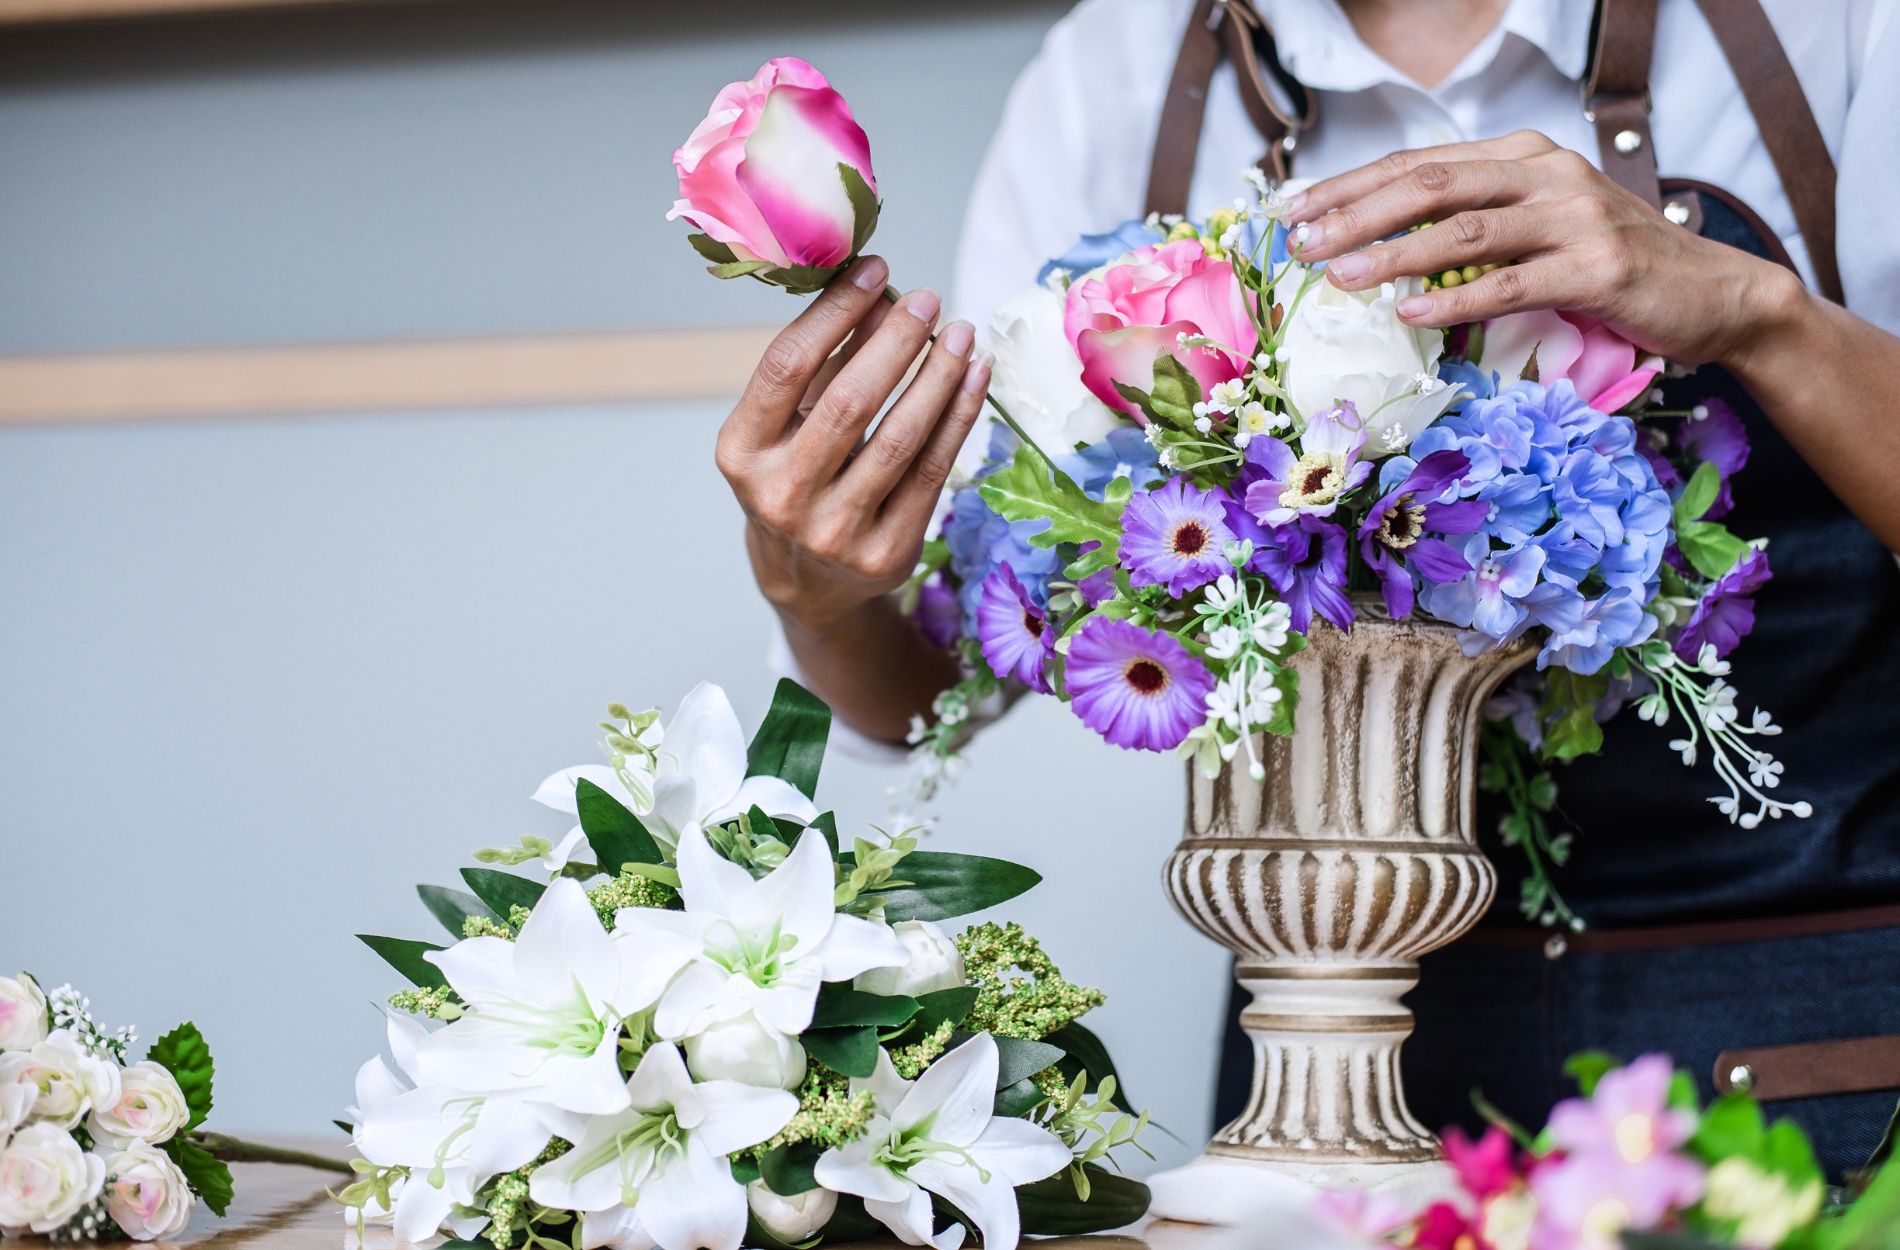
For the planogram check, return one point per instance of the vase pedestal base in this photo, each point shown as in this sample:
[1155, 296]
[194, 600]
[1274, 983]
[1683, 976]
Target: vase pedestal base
[1234, 1191]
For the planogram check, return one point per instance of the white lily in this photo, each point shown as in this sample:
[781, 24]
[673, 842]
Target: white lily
[631, 785]
[657, 1173]
[451, 1142]
[544, 1011]
[762, 946]
[702, 777]
[936, 1135]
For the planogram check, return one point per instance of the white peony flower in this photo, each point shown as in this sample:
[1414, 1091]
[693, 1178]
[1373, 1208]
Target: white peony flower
[150, 1108]
[702, 777]
[67, 1080]
[147, 1195]
[46, 1179]
[933, 963]
[15, 1102]
[741, 1049]
[1037, 376]
[1351, 346]
[657, 1173]
[791, 1218]
[936, 1135]
[22, 1013]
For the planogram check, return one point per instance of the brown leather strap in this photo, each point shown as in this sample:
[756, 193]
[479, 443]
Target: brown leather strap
[1616, 95]
[1854, 1065]
[1787, 126]
[1216, 28]
[1707, 933]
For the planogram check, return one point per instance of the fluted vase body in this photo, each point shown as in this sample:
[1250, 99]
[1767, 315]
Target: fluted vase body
[1329, 877]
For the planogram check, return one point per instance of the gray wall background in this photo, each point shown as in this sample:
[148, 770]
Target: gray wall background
[259, 677]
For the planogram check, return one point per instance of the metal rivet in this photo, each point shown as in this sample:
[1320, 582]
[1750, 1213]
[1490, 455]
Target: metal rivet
[1741, 1078]
[1627, 142]
[1556, 947]
[1289, 143]
[1677, 212]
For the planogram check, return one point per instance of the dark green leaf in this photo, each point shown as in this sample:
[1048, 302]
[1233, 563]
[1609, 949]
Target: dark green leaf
[791, 743]
[205, 1173]
[1019, 1057]
[453, 907]
[1699, 493]
[943, 884]
[1569, 710]
[864, 206]
[1017, 1099]
[850, 1051]
[1050, 1208]
[1091, 1055]
[406, 957]
[840, 1005]
[615, 833]
[939, 1006]
[502, 890]
[850, 1223]
[827, 824]
[713, 250]
[1670, 1241]
[1588, 1068]
[185, 1054]
[788, 1169]
[745, 1168]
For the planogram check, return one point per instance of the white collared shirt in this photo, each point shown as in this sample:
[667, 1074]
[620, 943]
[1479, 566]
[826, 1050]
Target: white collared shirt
[1072, 153]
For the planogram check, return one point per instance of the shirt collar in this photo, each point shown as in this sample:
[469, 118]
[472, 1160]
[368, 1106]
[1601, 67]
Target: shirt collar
[1319, 47]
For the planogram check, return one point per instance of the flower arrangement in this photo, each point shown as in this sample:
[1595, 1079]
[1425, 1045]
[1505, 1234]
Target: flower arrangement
[1255, 453]
[704, 1021]
[94, 1147]
[1636, 1162]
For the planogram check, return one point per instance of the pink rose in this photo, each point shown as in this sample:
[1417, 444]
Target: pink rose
[762, 175]
[1605, 367]
[1122, 318]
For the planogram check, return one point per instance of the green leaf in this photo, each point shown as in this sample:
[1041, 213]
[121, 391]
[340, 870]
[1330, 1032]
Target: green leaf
[406, 957]
[185, 1054]
[1019, 1058]
[1175, 392]
[945, 884]
[1731, 1126]
[864, 206]
[827, 824]
[951, 1005]
[501, 890]
[614, 832]
[204, 1172]
[1091, 1055]
[1787, 1152]
[791, 743]
[745, 1169]
[850, 1051]
[1709, 547]
[788, 1168]
[1017, 1099]
[1588, 1068]
[739, 268]
[1569, 709]
[1699, 493]
[840, 1005]
[1670, 1241]
[1682, 1092]
[452, 907]
[1873, 1222]
[712, 249]
[1025, 491]
[1050, 1207]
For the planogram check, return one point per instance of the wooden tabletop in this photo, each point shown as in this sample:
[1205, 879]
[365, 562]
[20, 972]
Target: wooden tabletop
[287, 1208]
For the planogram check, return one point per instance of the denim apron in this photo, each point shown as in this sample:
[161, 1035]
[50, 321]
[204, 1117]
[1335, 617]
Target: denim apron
[1765, 958]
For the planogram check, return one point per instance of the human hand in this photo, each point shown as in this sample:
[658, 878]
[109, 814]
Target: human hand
[835, 520]
[1581, 243]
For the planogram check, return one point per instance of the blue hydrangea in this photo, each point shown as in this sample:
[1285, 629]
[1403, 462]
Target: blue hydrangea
[1576, 528]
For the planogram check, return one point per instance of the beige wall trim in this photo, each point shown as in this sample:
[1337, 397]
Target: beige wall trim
[635, 366]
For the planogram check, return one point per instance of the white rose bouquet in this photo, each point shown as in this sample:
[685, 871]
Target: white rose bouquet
[92, 1147]
[727, 1028]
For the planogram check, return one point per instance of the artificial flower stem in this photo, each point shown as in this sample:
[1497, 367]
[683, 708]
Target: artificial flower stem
[236, 1150]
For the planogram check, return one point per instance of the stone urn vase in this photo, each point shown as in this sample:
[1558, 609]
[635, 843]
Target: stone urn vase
[1327, 880]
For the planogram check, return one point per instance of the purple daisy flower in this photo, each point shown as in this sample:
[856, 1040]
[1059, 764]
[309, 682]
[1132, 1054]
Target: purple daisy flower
[1139, 690]
[1305, 562]
[937, 614]
[1016, 639]
[1172, 536]
[1726, 614]
[1398, 524]
[1311, 483]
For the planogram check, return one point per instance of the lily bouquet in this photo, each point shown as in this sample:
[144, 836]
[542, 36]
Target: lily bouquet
[1216, 451]
[702, 1021]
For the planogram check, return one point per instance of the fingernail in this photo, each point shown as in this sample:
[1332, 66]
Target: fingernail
[1309, 234]
[977, 375]
[923, 305]
[1415, 305]
[870, 273]
[1351, 267]
[958, 338]
[1293, 206]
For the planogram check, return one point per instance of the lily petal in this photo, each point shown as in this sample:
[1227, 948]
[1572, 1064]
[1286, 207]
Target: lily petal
[956, 1094]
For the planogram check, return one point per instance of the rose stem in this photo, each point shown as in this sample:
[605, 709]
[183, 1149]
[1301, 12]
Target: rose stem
[232, 1150]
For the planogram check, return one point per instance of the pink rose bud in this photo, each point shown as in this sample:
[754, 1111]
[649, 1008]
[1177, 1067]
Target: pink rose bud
[779, 178]
[1125, 317]
[1604, 367]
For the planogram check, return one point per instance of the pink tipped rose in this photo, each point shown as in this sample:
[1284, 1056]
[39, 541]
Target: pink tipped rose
[778, 173]
[1605, 367]
[1123, 318]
